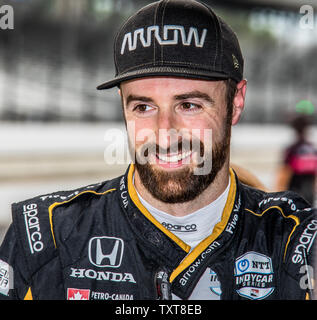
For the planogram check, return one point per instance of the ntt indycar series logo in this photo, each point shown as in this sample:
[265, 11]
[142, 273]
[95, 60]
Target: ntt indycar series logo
[254, 276]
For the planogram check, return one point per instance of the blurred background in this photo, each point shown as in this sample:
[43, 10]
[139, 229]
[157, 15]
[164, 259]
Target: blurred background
[54, 123]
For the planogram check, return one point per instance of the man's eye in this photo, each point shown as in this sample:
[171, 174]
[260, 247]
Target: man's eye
[142, 108]
[190, 106]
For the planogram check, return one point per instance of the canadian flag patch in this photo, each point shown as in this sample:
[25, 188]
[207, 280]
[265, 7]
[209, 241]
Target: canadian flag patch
[78, 294]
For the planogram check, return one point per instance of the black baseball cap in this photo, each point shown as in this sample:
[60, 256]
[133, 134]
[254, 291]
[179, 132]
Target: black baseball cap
[180, 38]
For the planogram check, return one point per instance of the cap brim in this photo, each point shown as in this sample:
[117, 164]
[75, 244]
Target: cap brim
[164, 71]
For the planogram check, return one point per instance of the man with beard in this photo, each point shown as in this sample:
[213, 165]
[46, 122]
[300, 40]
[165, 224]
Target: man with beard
[180, 162]
[178, 224]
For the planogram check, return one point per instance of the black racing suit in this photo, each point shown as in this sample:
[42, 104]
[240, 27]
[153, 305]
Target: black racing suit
[99, 242]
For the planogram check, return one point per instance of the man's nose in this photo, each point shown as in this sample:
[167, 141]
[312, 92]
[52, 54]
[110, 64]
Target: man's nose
[167, 129]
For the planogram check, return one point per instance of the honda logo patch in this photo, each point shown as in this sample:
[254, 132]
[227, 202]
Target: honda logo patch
[105, 251]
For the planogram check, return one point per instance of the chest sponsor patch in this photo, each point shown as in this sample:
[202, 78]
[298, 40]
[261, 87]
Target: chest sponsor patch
[6, 278]
[78, 294]
[87, 294]
[214, 283]
[254, 276]
[208, 287]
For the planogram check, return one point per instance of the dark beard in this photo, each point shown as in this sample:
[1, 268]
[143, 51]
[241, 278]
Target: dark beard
[183, 185]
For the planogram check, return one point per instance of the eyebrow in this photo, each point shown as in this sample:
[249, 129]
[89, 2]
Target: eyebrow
[194, 94]
[178, 97]
[132, 97]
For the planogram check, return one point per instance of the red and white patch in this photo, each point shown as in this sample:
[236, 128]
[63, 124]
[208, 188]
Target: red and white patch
[78, 294]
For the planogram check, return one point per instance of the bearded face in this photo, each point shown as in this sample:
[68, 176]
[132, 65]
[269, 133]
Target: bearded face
[181, 134]
[192, 178]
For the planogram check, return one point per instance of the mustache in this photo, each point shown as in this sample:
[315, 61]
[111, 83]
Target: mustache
[152, 148]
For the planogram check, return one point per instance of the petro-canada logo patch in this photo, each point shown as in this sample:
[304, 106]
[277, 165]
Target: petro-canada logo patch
[78, 294]
[254, 276]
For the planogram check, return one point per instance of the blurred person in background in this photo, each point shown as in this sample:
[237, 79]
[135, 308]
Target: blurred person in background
[299, 168]
[179, 224]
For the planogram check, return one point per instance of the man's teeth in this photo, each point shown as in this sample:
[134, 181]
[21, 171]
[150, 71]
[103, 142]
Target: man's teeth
[174, 158]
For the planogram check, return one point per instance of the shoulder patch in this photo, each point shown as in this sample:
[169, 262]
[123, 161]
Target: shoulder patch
[288, 201]
[32, 220]
[32, 228]
[56, 204]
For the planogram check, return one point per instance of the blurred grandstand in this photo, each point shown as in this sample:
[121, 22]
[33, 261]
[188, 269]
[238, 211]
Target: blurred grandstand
[60, 50]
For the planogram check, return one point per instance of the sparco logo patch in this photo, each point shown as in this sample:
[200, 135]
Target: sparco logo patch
[180, 228]
[105, 251]
[172, 35]
[32, 225]
[305, 242]
[254, 275]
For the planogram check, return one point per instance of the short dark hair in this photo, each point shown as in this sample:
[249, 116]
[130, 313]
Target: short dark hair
[230, 94]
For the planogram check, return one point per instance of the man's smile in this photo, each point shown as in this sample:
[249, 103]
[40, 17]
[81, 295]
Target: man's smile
[173, 160]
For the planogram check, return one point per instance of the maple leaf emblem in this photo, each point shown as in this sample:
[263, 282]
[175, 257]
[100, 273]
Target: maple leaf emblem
[78, 294]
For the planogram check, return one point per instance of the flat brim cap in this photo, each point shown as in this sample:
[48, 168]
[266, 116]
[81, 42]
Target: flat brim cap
[180, 38]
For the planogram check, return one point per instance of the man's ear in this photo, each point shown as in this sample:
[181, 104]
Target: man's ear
[238, 101]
